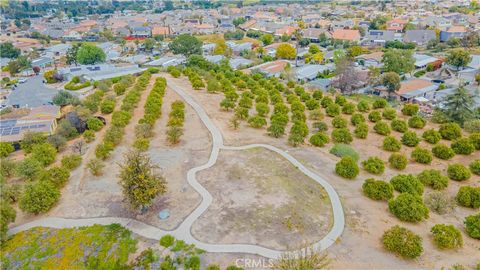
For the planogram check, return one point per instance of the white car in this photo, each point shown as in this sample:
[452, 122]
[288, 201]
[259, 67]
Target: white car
[22, 80]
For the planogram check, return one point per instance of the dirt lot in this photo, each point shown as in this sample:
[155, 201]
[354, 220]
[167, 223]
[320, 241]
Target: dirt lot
[360, 246]
[260, 198]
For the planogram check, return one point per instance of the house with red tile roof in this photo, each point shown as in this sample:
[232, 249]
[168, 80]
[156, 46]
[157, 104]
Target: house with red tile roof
[346, 34]
[396, 25]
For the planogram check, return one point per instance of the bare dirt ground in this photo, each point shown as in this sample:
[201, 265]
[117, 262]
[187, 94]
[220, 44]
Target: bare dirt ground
[260, 198]
[360, 245]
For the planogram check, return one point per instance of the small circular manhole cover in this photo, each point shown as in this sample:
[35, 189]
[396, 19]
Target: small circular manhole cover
[164, 214]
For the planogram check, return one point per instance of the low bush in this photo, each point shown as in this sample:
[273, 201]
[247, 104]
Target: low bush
[342, 135]
[95, 166]
[347, 168]
[58, 176]
[475, 140]
[408, 207]
[121, 118]
[141, 144]
[431, 136]
[361, 131]
[475, 167]
[319, 139]
[463, 146]
[326, 101]
[422, 155]
[407, 183]
[320, 126]
[472, 126]
[410, 109]
[377, 189]
[472, 225]
[45, 153]
[357, 118]
[391, 144]
[468, 197]
[439, 202]
[373, 165]
[340, 100]
[458, 172]
[71, 161]
[398, 161]
[389, 113]
[381, 128]
[402, 242]
[339, 122]
[363, 106]
[447, 236]
[6, 149]
[257, 121]
[76, 85]
[344, 150]
[348, 108]
[434, 179]
[333, 110]
[379, 103]
[107, 106]
[29, 168]
[375, 116]
[450, 131]
[416, 122]
[315, 115]
[95, 124]
[442, 151]
[89, 135]
[399, 125]
[410, 138]
[39, 197]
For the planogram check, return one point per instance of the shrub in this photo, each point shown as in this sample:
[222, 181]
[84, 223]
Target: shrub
[333, 110]
[348, 108]
[399, 125]
[312, 104]
[377, 189]
[416, 122]
[344, 150]
[375, 116]
[439, 202]
[472, 224]
[107, 106]
[5, 149]
[339, 122]
[442, 151]
[257, 121]
[326, 101]
[382, 128]
[410, 138]
[434, 179]
[58, 176]
[95, 124]
[472, 126]
[340, 100]
[361, 131]
[89, 135]
[342, 135]
[57, 141]
[96, 167]
[398, 161]
[410, 109]
[320, 126]
[458, 172]
[167, 241]
[121, 118]
[402, 242]
[29, 168]
[407, 183]
[391, 144]
[347, 168]
[408, 207]
[66, 129]
[357, 118]
[373, 165]
[319, 139]
[447, 236]
[468, 196]
[389, 113]
[316, 114]
[141, 144]
[379, 103]
[431, 136]
[45, 153]
[363, 106]
[71, 161]
[450, 131]
[475, 140]
[39, 197]
[30, 139]
[475, 166]
[463, 146]
[422, 155]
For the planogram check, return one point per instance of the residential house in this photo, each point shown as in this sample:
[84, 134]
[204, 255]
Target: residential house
[208, 48]
[415, 89]
[419, 37]
[286, 30]
[397, 25]
[99, 72]
[378, 38]
[240, 47]
[310, 72]
[437, 22]
[239, 62]
[161, 31]
[215, 59]
[167, 61]
[57, 50]
[372, 59]
[453, 32]
[313, 34]
[270, 69]
[423, 60]
[42, 62]
[346, 34]
[141, 32]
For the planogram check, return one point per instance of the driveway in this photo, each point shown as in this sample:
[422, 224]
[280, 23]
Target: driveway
[32, 93]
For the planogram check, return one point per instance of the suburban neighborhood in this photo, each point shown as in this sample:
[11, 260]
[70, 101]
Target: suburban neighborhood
[151, 134]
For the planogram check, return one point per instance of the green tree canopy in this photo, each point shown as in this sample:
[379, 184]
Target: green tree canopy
[90, 54]
[399, 61]
[458, 106]
[186, 44]
[458, 58]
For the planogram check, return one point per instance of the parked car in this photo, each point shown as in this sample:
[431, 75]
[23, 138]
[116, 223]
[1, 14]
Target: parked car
[22, 80]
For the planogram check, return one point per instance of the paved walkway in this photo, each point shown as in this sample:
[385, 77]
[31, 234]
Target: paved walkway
[183, 232]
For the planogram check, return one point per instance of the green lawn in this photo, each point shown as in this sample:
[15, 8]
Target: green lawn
[93, 247]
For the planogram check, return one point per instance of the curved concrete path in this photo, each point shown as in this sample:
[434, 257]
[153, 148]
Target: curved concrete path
[183, 232]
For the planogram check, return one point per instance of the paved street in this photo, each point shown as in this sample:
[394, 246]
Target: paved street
[32, 93]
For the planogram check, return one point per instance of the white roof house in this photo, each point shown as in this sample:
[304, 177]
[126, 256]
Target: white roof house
[422, 60]
[310, 72]
[167, 61]
[99, 72]
[239, 62]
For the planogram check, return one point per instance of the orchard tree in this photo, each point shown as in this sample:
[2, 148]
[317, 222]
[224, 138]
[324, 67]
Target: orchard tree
[399, 61]
[458, 58]
[391, 80]
[90, 54]
[140, 181]
[186, 44]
